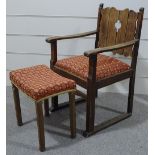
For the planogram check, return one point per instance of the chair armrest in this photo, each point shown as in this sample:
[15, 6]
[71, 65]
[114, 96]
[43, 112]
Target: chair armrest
[110, 48]
[55, 38]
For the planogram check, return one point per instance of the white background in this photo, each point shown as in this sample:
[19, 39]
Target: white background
[151, 76]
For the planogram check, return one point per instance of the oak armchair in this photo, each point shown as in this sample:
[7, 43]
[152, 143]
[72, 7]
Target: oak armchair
[118, 31]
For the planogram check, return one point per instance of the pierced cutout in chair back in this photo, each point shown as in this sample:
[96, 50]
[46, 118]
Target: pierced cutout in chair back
[119, 26]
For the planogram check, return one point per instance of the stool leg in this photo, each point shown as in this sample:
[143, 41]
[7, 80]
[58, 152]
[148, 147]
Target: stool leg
[40, 123]
[54, 102]
[72, 114]
[46, 107]
[96, 94]
[17, 105]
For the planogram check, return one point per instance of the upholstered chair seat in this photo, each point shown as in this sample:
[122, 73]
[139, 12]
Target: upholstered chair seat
[106, 66]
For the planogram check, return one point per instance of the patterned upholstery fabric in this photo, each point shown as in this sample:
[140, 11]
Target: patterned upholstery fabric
[40, 81]
[106, 66]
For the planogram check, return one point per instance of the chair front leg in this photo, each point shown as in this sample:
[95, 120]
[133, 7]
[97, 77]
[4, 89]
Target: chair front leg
[91, 95]
[90, 112]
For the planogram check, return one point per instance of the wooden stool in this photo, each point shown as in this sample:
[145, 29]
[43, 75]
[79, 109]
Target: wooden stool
[39, 83]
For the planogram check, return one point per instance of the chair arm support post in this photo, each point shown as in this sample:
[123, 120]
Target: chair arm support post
[53, 54]
[92, 68]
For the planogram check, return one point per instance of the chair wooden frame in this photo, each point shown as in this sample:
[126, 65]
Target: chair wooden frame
[91, 80]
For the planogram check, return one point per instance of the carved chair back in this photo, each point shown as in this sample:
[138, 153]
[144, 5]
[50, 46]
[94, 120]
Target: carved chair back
[118, 26]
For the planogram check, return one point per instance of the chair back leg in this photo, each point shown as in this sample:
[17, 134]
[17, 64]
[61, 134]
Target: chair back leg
[131, 94]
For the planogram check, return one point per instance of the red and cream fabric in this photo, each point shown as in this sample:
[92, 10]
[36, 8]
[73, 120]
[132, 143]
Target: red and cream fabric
[106, 66]
[40, 81]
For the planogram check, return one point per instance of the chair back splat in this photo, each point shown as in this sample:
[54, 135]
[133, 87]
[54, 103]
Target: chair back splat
[118, 26]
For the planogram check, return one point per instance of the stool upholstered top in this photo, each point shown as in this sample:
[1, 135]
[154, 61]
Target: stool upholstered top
[39, 82]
